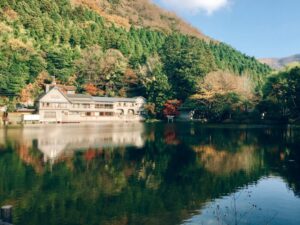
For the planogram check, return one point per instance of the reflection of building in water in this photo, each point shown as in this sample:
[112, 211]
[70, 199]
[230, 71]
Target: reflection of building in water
[66, 141]
[55, 141]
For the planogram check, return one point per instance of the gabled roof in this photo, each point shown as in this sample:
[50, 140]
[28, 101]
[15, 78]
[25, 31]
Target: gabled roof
[52, 88]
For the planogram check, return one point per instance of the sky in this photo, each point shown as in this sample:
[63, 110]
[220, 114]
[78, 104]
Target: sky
[260, 28]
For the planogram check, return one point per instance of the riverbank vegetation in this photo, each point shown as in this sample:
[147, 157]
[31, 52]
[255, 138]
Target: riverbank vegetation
[220, 99]
[281, 96]
[80, 47]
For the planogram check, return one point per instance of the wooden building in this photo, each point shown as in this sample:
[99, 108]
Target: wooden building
[65, 107]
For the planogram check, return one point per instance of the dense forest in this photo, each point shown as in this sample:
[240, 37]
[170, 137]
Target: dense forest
[44, 38]
[281, 96]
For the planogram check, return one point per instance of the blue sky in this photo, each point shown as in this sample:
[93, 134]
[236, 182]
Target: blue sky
[260, 28]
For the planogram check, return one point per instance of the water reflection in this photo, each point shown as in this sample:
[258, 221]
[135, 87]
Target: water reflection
[56, 142]
[222, 162]
[254, 204]
[142, 174]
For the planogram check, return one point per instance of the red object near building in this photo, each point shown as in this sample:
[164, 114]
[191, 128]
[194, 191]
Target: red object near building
[171, 108]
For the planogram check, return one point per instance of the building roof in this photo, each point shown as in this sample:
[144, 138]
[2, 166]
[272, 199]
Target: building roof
[51, 88]
[79, 98]
[89, 98]
[111, 99]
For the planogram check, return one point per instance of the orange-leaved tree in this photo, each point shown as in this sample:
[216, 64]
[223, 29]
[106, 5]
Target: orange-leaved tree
[91, 89]
[171, 107]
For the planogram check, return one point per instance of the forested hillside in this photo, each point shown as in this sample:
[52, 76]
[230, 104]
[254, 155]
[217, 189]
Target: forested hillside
[141, 13]
[77, 45]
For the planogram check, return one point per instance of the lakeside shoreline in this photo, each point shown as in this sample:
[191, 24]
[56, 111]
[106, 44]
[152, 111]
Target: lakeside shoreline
[209, 125]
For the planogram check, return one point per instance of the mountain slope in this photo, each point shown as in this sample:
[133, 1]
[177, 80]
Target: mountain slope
[141, 13]
[279, 63]
[97, 50]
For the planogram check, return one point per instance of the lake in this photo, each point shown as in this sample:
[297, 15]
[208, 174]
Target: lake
[150, 174]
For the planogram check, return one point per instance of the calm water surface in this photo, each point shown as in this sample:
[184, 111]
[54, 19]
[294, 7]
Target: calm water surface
[159, 174]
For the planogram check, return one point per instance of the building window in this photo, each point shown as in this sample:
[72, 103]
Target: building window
[104, 106]
[108, 106]
[109, 114]
[50, 115]
[86, 106]
[88, 113]
[75, 106]
[131, 112]
[106, 113]
[46, 104]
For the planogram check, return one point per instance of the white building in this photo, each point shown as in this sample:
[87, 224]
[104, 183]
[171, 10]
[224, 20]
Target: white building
[63, 107]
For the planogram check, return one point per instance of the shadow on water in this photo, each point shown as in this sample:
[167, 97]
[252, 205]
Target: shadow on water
[146, 174]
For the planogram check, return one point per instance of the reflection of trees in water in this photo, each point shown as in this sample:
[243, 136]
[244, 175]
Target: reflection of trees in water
[158, 184]
[170, 136]
[275, 149]
[112, 188]
[284, 159]
[30, 157]
[224, 162]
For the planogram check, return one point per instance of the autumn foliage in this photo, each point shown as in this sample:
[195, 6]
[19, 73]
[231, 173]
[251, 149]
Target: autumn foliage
[91, 89]
[26, 93]
[150, 109]
[171, 108]
[33, 90]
